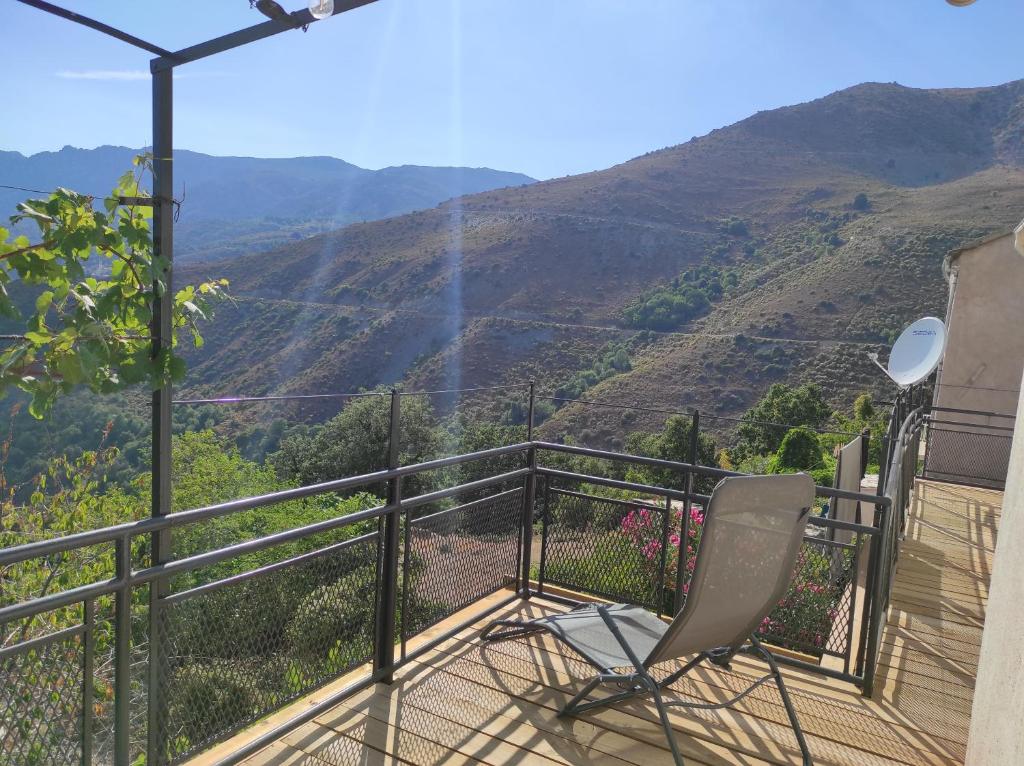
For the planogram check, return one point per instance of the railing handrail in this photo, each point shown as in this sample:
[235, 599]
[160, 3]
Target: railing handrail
[717, 473]
[984, 413]
[89, 538]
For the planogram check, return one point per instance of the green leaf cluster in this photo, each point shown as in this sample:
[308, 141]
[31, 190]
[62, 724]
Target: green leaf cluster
[83, 297]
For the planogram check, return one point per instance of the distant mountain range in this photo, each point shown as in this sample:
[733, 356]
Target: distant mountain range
[812, 233]
[237, 205]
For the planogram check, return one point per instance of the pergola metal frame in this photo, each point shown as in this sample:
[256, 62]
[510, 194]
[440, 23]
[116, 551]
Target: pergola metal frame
[162, 69]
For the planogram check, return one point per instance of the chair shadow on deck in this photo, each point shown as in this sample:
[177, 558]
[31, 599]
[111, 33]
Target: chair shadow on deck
[467, 702]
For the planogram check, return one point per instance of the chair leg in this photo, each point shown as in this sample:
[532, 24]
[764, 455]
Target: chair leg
[572, 705]
[666, 724]
[788, 703]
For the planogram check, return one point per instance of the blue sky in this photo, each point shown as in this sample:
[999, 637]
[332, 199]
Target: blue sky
[545, 87]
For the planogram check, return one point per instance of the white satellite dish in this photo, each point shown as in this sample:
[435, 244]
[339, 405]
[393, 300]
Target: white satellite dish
[916, 353]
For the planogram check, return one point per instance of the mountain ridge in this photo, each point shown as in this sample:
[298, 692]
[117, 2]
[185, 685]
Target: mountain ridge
[832, 217]
[232, 204]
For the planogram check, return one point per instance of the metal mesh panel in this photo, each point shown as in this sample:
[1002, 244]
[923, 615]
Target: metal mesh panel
[235, 653]
[458, 556]
[587, 549]
[816, 615]
[41, 705]
[968, 457]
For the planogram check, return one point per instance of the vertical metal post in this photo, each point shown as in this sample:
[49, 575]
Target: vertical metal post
[874, 591]
[545, 522]
[406, 567]
[684, 526]
[389, 544]
[88, 648]
[529, 499]
[122, 652]
[663, 562]
[161, 331]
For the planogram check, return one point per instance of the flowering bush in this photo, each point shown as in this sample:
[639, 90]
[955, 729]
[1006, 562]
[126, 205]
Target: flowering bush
[803, 618]
[643, 528]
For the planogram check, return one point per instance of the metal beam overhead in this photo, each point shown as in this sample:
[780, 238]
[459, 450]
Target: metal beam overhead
[251, 34]
[99, 26]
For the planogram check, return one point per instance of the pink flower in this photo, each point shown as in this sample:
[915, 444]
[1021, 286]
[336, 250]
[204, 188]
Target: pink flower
[674, 539]
[651, 549]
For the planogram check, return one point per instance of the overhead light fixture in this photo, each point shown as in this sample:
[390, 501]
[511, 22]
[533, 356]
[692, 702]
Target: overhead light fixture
[960, 3]
[321, 9]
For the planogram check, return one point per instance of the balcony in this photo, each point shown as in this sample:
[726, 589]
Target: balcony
[353, 640]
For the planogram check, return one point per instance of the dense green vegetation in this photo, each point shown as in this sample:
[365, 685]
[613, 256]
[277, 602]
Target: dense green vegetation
[766, 424]
[687, 297]
[612, 359]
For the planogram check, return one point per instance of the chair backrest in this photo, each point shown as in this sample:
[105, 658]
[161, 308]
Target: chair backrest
[753, 529]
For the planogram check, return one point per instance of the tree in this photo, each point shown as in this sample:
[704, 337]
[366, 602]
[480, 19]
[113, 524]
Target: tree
[861, 202]
[356, 442]
[863, 408]
[765, 424]
[82, 298]
[800, 451]
[673, 443]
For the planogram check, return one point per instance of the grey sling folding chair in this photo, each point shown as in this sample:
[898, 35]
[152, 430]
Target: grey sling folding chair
[753, 529]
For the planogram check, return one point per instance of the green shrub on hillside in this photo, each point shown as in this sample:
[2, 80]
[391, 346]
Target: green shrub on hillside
[612, 360]
[765, 424]
[672, 443]
[687, 297]
[800, 450]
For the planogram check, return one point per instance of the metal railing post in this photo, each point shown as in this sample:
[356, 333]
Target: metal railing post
[384, 655]
[877, 583]
[162, 331]
[684, 526]
[122, 653]
[529, 500]
[88, 648]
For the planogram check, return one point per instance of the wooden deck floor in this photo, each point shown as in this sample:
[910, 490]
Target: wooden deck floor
[467, 703]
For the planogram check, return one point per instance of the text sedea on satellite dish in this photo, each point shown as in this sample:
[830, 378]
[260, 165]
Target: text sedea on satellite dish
[916, 353]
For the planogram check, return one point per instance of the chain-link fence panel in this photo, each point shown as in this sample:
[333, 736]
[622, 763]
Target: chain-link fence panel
[968, 455]
[457, 556]
[604, 547]
[41, 701]
[237, 650]
[816, 615]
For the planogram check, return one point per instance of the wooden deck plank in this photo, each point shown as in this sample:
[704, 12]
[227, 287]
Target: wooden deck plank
[564, 740]
[821, 717]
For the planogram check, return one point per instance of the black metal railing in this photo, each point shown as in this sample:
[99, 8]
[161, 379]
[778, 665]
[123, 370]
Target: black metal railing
[100, 672]
[643, 551]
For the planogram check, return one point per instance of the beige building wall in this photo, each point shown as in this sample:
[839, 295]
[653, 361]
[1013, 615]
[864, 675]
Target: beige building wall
[997, 718]
[984, 358]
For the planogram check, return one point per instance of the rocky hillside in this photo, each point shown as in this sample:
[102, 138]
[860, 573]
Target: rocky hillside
[781, 248]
